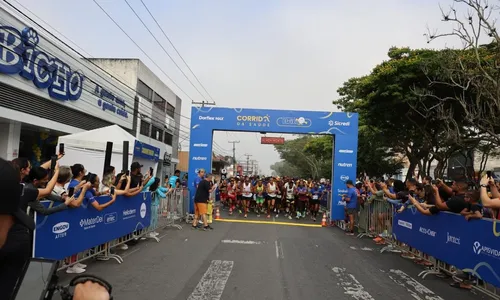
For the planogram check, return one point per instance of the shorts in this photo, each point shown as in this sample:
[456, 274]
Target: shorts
[200, 208]
[270, 197]
[239, 197]
[292, 200]
[314, 201]
[259, 200]
[351, 211]
[247, 198]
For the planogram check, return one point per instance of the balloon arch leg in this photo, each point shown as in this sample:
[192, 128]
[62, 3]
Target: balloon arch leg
[343, 126]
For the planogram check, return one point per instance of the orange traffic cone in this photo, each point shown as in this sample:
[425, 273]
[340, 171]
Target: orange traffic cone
[217, 214]
[323, 221]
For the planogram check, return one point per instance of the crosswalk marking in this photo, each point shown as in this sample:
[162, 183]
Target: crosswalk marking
[351, 285]
[213, 282]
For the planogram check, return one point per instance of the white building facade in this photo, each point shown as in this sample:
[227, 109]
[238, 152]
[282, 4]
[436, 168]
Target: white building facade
[158, 109]
[46, 91]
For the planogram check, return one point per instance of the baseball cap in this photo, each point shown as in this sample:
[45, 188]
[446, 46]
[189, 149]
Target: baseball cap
[135, 165]
[11, 194]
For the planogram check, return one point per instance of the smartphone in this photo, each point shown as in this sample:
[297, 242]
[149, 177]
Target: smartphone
[71, 192]
[21, 188]
[127, 172]
[61, 148]
[112, 191]
[151, 171]
[488, 174]
[37, 280]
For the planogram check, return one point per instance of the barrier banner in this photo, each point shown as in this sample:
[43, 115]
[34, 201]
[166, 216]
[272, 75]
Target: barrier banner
[74, 230]
[472, 246]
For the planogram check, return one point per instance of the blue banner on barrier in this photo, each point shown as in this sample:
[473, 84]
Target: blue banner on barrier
[69, 232]
[472, 246]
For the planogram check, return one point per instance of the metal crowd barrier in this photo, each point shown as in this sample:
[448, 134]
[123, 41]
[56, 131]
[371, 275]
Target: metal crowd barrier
[374, 220]
[167, 212]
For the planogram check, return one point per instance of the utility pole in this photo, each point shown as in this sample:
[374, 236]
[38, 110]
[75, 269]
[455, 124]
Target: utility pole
[234, 155]
[248, 163]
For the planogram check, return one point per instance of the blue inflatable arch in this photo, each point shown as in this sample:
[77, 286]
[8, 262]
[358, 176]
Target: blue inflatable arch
[344, 127]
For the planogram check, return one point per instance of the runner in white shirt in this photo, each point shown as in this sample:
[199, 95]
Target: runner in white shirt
[271, 196]
[290, 198]
[246, 194]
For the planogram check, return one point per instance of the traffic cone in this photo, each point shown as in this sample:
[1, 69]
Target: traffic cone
[323, 221]
[217, 213]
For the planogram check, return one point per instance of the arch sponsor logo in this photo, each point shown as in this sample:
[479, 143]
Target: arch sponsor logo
[346, 151]
[339, 123]
[60, 229]
[293, 122]
[89, 223]
[344, 165]
[253, 121]
[210, 118]
[199, 158]
[344, 178]
[200, 145]
[485, 250]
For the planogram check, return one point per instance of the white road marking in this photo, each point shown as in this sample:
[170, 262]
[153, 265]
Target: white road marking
[353, 248]
[417, 290]
[241, 242]
[279, 250]
[366, 249]
[213, 282]
[351, 285]
[129, 252]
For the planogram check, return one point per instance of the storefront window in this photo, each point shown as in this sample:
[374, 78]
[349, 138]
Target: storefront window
[37, 146]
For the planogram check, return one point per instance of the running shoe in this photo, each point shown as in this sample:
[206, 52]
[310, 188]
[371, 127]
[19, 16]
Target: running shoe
[246, 216]
[289, 217]
[208, 228]
[277, 215]
[268, 216]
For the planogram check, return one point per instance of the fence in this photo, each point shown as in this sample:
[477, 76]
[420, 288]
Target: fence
[96, 234]
[444, 244]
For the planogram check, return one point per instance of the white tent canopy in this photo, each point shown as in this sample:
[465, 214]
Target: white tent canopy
[96, 139]
[89, 149]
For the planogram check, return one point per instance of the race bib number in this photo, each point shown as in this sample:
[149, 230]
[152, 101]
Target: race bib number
[315, 197]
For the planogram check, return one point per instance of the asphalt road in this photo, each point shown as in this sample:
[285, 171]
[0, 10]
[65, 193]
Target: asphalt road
[267, 261]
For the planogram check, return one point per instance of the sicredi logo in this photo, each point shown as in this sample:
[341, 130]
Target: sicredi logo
[60, 227]
[344, 165]
[345, 124]
[427, 231]
[405, 224]
[200, 145]
[199, 158]
[209, 118]
[485, 250]
[346, 151]
[344, 177]
[110, 218]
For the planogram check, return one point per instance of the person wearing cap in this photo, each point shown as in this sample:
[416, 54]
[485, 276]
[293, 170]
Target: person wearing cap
[351, 199]
[15, 229]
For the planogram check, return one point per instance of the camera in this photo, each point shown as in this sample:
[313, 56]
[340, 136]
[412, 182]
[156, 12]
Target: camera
[39, 281]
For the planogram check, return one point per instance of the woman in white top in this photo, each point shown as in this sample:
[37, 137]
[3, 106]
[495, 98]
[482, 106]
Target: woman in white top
[246, 195]
[271, 196]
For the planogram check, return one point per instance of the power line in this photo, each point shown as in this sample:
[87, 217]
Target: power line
[139, 47]
[163, 48]
[82, 56]
[172, 44]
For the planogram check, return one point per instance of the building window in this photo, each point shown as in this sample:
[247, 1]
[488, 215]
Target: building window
[168, 138]
[145, 128]
[170, 110]
[157, 133]
[160, 103]
[145, 91]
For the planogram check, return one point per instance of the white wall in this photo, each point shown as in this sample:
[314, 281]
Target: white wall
[10, 133]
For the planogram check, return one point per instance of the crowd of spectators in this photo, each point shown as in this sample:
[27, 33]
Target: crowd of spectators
[65, 187]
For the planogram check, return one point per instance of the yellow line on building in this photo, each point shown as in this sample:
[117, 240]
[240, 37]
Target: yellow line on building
[268, 222]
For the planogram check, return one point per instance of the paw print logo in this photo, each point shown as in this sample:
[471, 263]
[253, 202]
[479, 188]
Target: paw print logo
[30, 37]
[330, 123]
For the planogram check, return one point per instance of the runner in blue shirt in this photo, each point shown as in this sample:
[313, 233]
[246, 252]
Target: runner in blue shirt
[351, 200]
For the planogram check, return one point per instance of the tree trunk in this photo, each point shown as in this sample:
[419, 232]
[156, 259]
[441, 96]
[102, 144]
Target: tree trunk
[411, 169]
[439, 170]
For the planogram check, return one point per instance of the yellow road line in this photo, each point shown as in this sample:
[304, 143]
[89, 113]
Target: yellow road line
[268, 222]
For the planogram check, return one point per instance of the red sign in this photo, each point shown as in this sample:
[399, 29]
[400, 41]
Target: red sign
[272, 140]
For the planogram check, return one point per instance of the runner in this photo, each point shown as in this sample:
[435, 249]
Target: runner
[316, 193]
[239, 192]
[302, 192]
[231, 195]
[246, 194]
[223, 193]
[289, 198]
[271, 196]
[259, 193]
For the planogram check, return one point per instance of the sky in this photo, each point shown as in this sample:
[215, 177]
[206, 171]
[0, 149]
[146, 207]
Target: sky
[271, 54]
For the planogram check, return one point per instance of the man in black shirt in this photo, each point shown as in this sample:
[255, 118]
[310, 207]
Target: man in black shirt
[15, 230]
[201, 202]
[456, 203]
